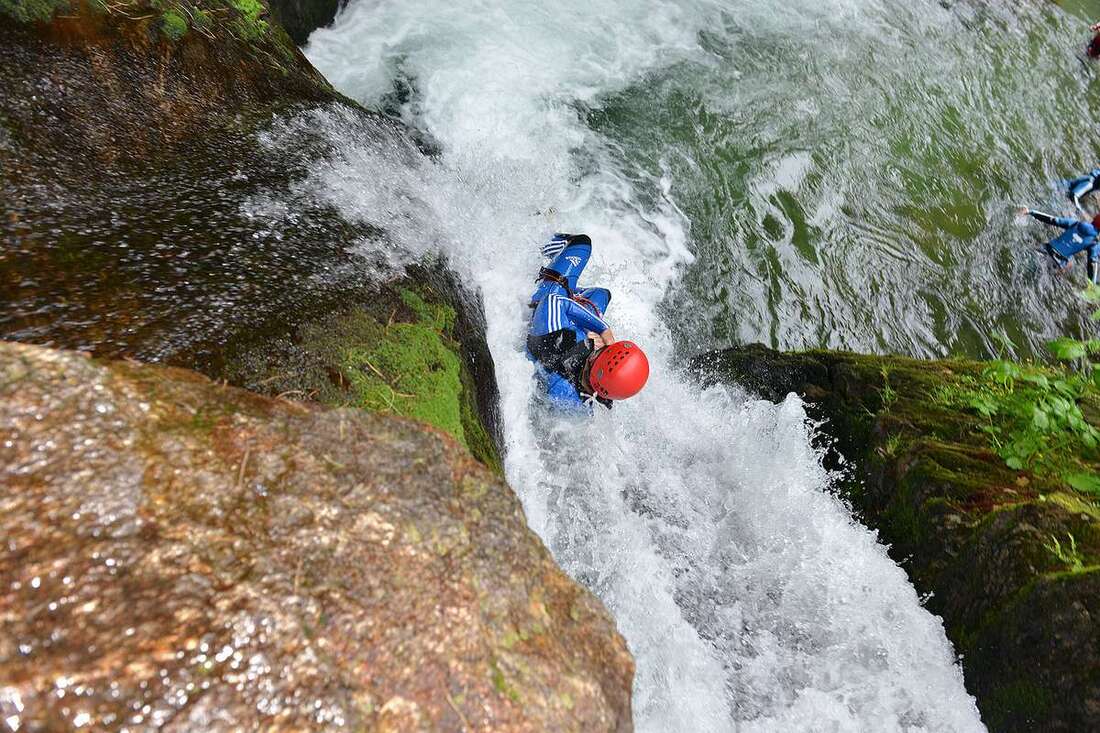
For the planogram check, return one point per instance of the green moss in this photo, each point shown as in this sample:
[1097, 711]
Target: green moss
[410, 372]
[173, 25]
[32, 11]
[1017, 705]
[439, 316]
[1005, 549]
[500, 682]
[413, 369]
[1074, 503]
[249, 26]
[394, 355]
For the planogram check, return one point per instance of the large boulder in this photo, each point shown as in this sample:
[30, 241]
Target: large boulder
[1010, 558]
[94, 83]
[156, 158]
[135, 177]
[182, 555]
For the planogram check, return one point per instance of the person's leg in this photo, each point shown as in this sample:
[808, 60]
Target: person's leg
[572, 260]
[1094, 264]
[1078, 189]
[570, 254]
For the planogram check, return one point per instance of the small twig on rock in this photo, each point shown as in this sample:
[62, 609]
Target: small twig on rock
[298, 574]
[244, 463]
[374, 369]
[465, 723]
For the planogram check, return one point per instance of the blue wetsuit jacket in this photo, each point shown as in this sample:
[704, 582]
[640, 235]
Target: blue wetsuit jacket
[1077, 237]
[557, 337]
[1083, 186]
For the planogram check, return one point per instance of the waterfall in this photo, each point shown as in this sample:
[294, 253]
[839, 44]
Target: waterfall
[742, 170]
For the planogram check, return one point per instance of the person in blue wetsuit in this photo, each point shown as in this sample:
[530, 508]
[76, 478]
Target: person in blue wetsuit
[1082, 186]
[568, 337]
[1079, 236]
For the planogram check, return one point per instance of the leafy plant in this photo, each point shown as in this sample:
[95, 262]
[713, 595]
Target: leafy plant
[1032, 415]
[887, 394]
[1086, 483]
[1033, 420]
[890, 448]
[1067, 555]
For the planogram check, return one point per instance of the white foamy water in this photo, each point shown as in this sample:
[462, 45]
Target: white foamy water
[749, 597]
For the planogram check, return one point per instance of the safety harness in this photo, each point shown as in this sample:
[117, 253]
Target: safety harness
[554, 276]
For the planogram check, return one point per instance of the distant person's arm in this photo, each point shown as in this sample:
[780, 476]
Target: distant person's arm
[1064, 222]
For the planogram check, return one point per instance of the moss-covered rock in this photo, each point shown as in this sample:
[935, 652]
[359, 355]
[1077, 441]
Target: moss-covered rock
[32, 11]
[395, 351]
[1008, 557]
[183, 555]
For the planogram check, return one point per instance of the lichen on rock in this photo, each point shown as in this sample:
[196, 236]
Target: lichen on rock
[189, 556]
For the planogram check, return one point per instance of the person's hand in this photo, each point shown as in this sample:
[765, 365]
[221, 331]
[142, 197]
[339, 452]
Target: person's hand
[1095, 27]
[1021, 211]
[597, 342]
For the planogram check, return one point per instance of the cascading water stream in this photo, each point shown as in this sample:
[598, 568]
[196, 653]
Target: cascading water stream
[719, 156]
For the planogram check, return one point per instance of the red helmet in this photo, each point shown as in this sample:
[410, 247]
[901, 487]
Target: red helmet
[618, 371]
[1096, 221]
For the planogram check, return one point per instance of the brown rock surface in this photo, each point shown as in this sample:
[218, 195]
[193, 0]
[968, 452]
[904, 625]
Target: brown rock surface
[181, 555]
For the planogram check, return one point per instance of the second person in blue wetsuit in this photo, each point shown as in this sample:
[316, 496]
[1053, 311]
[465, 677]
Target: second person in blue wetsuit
[1079, 236]
[578, 356]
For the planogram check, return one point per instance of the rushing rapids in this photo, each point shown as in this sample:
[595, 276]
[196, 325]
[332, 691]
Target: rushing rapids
[835, 174]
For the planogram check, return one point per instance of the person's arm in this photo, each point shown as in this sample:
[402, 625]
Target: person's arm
[600, 340]
[586, 320]
[1064, 222]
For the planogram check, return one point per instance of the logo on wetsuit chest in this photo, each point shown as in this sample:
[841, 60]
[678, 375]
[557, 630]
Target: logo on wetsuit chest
[574, 261]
